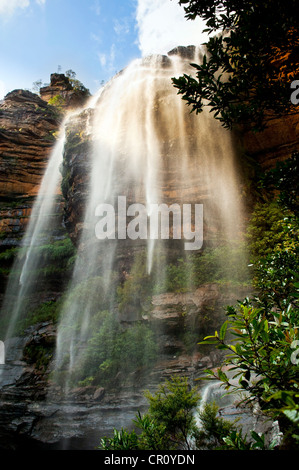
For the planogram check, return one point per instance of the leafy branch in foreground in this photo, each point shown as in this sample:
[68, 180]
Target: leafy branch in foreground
[246, 73]
[261, 356]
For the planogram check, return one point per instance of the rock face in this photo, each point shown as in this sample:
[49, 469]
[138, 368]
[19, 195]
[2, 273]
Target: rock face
[28, 131]
[275, 143]
[66, 94]
[75, 173]
[27, 125]
[27, 136]
[34, 411]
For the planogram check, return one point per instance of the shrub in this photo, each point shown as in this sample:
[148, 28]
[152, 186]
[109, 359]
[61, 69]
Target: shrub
[113, 348]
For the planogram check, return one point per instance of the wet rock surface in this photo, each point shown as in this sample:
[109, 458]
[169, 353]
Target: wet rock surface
[35, 410]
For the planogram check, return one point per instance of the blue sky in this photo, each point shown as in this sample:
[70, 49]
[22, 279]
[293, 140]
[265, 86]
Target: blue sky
[95, 38]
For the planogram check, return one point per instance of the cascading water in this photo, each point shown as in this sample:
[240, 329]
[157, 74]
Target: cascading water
[24, 277]
[144, 149]
[24, 272]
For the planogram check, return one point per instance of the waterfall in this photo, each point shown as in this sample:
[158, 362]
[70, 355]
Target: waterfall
[145, 149]
[24, 272]
[24, 275]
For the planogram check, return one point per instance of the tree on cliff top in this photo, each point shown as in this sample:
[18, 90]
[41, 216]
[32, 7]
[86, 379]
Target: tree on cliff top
[250, 61]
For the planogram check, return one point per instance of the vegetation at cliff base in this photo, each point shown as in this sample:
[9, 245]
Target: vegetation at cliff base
[176, 421]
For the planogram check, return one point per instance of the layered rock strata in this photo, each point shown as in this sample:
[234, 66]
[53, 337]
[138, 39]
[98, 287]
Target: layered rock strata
[66, 93]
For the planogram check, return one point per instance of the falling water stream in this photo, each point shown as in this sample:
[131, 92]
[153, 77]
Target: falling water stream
[23, 276]
[147, 148]
[25, 270]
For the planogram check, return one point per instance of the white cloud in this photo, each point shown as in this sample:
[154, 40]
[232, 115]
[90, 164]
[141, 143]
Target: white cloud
[102, 59]
[95, 37]
[9, 7]
[107, 61]
[96, 8]
[121, 26]
[163, 26]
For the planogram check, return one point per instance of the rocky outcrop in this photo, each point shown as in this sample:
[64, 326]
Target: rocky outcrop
[27, 135]
[27, 128]
[66, 93]
[28, 131]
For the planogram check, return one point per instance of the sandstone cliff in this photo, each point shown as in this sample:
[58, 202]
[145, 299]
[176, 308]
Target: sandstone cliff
[275, 143]
[29, 127]
[27, 135]
[66, 92]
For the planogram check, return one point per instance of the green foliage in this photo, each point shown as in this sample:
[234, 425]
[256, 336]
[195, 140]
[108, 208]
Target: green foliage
[40, 355]
[45, 312]
[55, 258]
[92, 292]
[121, 440]
[173, 406]
[273, 236]
[221, 264]
[275, 279]
[112, 349]
[169, 423]
[137, 287]
[246, 72]
[236, 441]
[9, 255]
[271, 228]
[57, 250]
[153, 435]
[54, 264]
[260, 349]
[6, 260]
[58, 102]
[284, 179]
[213, 429]
[261, 336]
[76, 84]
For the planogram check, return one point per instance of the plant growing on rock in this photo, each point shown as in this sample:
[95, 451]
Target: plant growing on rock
[113, 349]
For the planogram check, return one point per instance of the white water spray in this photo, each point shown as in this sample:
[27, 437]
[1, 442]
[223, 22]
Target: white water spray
[145, 145]
[24, 274]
